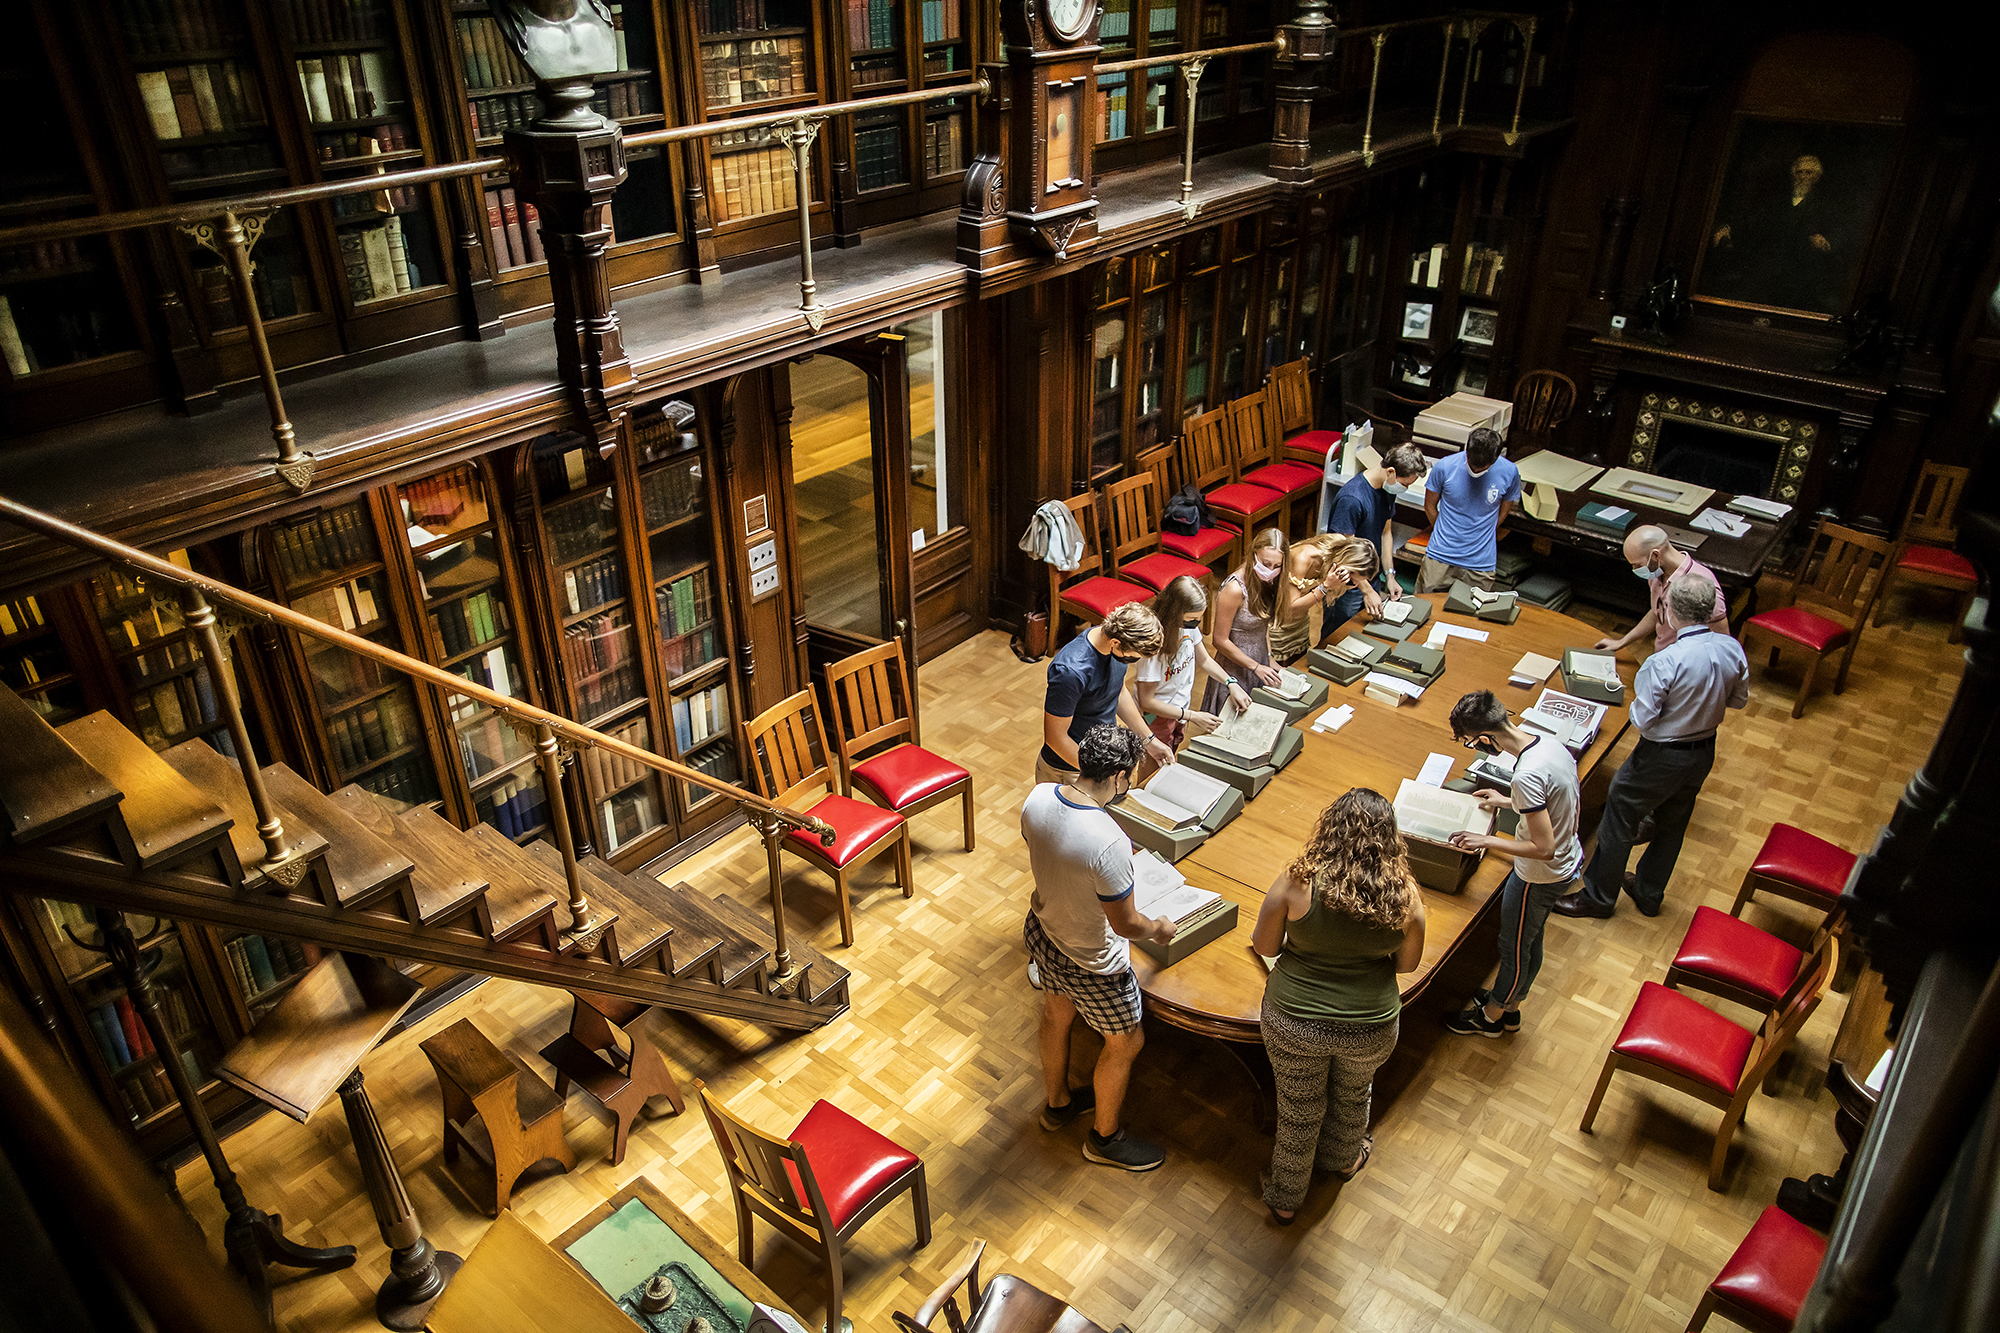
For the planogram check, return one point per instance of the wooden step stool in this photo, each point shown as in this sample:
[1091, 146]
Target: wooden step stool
[621, 1080]
[496, 1106]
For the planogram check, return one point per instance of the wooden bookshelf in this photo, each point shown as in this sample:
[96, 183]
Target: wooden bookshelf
[909, 153]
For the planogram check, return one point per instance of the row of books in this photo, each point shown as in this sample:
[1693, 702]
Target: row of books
[20, 614]
[154, 621]
[582, 526]
[749, 184]
[686, 604]
[121, 1036]
[161, 27]
[515, 229]
[437, 501]
[485, 56]
[339, 676]
[593, 584]
[52, 328]
[407, 780]
[488, 744]
[614, 689]
[717, 761]
[729, 16]
[351, 605]
[261, 963]
[599, 645]
[167, 713]
[607, 771]
[496, 669]
[337, 20]
[562, 465]
[943, 20]
[465, 624]
[382, 726]
[169, 657]
[184, 165]
[41, 256]
[333, 539]
[1111, 110]
[148, 1091]
[878, 156]
[347, 87]
[870, 70]
[754, 70]
[183, 101]
[700, 716]
[514, 805]
[671, 492]
[871, 25]
[944, 146]
[115, 594]
[29, 668]
[1483, 265]
[944, 60]
[688, 652]
[279, 282]
[628, 816]
[377, 261]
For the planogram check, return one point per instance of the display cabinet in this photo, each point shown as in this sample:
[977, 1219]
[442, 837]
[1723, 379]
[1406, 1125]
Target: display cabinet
[895, 46]
[752, 56]
[168, 694]
[1238, 342]
[1111, 316]
[1139, 118]
[1203, 257]
[1233, 99]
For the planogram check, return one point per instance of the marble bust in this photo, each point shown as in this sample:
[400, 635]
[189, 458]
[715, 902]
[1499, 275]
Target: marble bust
[559, 39]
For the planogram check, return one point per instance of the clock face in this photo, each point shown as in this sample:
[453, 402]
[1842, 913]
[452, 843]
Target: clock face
[1070, 17]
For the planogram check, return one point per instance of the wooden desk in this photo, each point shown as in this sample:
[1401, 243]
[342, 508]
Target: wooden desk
[1737, 562]
[1219, 989]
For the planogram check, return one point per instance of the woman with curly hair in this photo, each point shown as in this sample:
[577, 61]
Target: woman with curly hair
[1342, 921]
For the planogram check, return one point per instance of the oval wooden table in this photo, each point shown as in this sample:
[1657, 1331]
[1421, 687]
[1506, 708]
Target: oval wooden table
[1218, 991]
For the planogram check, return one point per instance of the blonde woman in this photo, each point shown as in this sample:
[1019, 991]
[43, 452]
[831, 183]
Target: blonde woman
[1342, 921]
[1163, 684]
[1322, 568]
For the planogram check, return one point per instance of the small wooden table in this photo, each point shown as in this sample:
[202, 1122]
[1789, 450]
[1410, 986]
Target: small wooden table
[1218, 990]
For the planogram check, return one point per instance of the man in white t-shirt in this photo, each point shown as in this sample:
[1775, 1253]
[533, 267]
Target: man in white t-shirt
[1547, 856]
[1076, 932]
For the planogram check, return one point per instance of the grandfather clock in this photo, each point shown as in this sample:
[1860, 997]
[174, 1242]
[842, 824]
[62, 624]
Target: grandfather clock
[1051, 48]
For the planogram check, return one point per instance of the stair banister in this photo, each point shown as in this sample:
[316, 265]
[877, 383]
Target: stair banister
[763, 812]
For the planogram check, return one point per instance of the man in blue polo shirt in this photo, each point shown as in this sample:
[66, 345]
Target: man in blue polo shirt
[1087, 688]
[1468, 497]
[1365, 507]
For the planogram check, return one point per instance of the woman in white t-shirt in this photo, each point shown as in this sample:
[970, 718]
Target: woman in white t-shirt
[1163, 684]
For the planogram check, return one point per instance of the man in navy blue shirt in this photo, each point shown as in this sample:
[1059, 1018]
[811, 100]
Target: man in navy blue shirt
[1365, 507]
[1087, 688]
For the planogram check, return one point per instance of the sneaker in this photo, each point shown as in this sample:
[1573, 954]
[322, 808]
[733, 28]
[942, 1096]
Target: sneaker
[1034, 975]
[1473, 1022]
[1509, 1018]
[1081, 1102]
[1121, 1150]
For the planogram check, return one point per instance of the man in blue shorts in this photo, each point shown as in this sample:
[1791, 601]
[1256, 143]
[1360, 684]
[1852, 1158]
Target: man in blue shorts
[1468, 497]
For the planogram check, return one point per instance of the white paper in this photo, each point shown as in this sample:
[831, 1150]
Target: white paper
[1395, 612]
[1761, 507]
[1612, 513]
[1879, 1075]
[496, 671]
[1532, 667]
[1404, 687]
[1434, 814]
[1599, 667]
[1435, 770]
[1440, 632]
[1333, 719]
[1715, 520]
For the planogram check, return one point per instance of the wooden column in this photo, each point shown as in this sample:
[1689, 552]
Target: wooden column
[418, 1271]
[983, 244]
[1304, 46]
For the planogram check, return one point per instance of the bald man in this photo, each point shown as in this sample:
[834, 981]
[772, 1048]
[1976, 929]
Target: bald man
[1657, 560]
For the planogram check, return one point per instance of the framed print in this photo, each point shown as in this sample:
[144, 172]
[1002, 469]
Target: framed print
[1477, 325]
[1417, 320]
[1472, 376]
[1790, 226]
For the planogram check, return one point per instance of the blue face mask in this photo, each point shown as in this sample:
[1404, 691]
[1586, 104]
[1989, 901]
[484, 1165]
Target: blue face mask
[1392, 488]
[1647, 573]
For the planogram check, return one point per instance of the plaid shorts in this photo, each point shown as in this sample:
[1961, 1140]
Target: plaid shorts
[1108, 1001]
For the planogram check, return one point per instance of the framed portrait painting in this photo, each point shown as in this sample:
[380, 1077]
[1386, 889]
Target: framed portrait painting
[1792, 219]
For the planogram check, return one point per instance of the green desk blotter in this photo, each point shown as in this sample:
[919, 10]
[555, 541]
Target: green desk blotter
[1293, 709]
[1249, 781]
[624, 1251]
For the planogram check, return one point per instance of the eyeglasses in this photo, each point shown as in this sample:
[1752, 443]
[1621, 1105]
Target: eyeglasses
[1473, 742]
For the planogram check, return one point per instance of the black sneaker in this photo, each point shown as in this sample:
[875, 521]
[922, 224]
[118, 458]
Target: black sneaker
[1509, 1018]
[1473, 1022]
[1082, 1101]
[1121, 1150]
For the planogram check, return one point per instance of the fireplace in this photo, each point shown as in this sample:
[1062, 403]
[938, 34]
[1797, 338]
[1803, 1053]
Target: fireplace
[1739, 448]
[1725, 460]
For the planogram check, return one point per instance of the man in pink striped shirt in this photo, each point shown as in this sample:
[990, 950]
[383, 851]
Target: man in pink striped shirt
[1657, 560]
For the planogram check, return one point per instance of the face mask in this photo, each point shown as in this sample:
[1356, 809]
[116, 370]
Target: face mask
[1394, 488]
[1485, 746]
[1191, 624]
[1647, 572]
[1120, 795]
[1265, 572]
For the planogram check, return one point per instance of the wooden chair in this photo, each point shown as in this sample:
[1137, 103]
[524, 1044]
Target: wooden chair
[873, 706]
[1210, 547]
[1136, 552]
[498, 1108]
[1208, 461]
[1543, 400]
[621, 1078]
[1727, 956]
[788, 756]
[1086, 592]
[857, 1173]
[1765, 1282]
[1673, 1039]
[1923, 548]
[1292, 387]
[1260, 461]
[1794, 864]
[1835, 579]
[1004, 1305]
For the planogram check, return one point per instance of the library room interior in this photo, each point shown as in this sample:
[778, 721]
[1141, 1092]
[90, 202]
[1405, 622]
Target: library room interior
[564, 565]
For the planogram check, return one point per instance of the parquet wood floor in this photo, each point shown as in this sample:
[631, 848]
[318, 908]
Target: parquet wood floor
[1483, 1209]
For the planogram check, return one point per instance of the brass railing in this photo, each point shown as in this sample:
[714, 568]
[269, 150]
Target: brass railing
[552, 731]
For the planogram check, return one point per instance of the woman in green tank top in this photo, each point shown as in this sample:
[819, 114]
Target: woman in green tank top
[1342, 921]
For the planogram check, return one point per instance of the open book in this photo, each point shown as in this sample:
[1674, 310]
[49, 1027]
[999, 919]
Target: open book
[1355, 648]
[1571, 720]
[1246, 737]
[1433, 814]
[1176, 797]
[1601, 668]
[1291, 684]
[1160, 890]
[1395, 612]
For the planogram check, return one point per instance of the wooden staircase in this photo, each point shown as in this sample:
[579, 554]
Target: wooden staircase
[91, 814]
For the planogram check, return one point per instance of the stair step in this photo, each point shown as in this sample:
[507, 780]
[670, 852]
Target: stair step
[46, 787]
[742, 950]
[219, 776]
[360, 866]
[448, 878]
[698, 937]
[822, 974]
[168, 818]
[521, 893]
[638, 933]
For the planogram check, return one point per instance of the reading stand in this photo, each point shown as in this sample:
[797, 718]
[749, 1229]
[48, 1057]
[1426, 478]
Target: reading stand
[1293, 709]
[1247, 779]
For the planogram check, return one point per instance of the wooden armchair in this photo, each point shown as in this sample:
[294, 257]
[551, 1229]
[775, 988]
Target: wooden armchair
[1086, 592]
[622, 1078]
[1260, 461]
[873, 706]
[1004, 1305]
[1543, 400]
[1291, 387]
[1136, 551]
[1835, 578]
[1208, 461]
[788, 756]
[1210, 547]
[1923, 548]
[498, 1108]
[818, 1185]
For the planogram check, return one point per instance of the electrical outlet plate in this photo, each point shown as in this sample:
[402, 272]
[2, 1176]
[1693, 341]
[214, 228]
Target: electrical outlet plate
[764, 554]
[1618, 321]
[763, 581]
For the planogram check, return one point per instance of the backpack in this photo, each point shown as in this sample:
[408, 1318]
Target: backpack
[1186, 513]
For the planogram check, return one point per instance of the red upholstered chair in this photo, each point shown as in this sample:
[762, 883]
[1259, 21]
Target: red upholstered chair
[1826, 605]
[1726, 956]
[1923, 548]
[1004, 1305]
[873, 706]
[817, 1185]
[788, 756]
[1212, 547]
[1134, 508]
[1292, 388]
[1260, 461]
[1766, 1280]
[1794, 864]
[1208, 460]
[1674, 1039]
[1086, 592]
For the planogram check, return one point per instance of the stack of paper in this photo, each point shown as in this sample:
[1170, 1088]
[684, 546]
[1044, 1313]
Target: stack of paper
[1757, 507]
[1333, 719]
[1407, 689]
[1714, 520]
[1532, 669]
[1160, 890]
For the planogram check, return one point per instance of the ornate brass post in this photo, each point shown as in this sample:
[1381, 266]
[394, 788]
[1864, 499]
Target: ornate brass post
[784, 972]
[581, 918]
[798, 137]
[1190, 89]
[1374, 81]
[1521, 84]
[238, 237]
